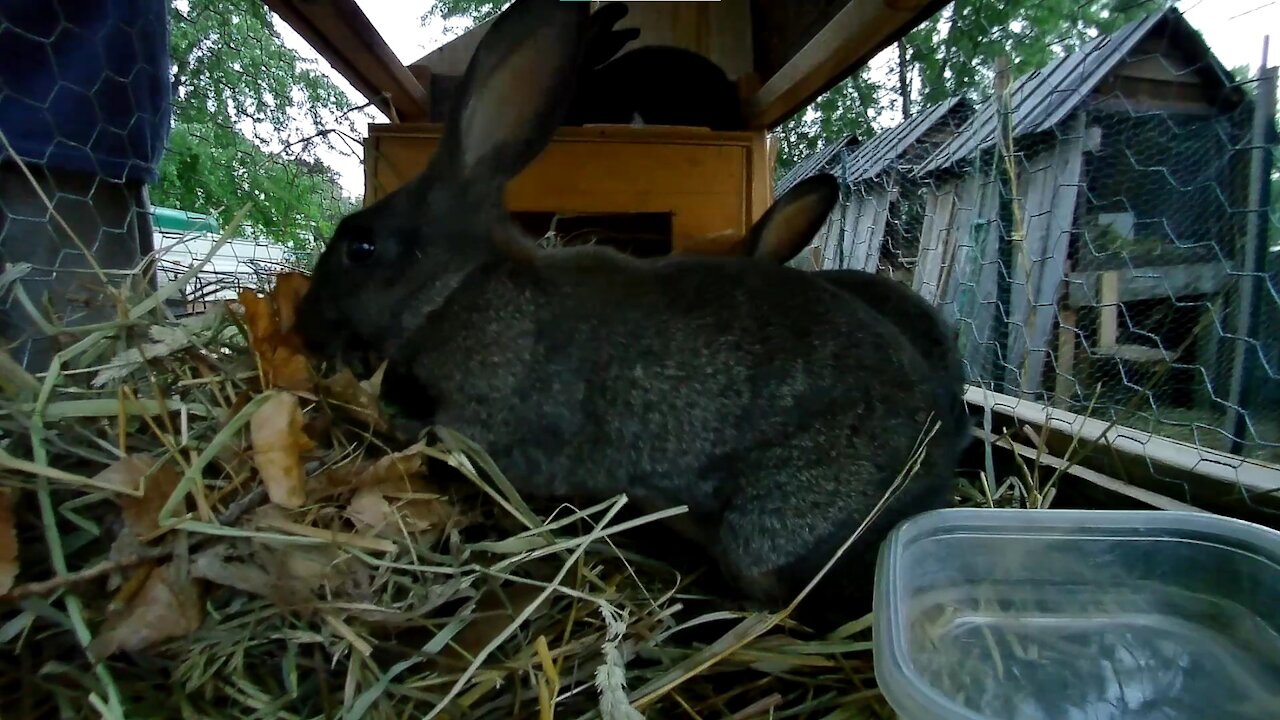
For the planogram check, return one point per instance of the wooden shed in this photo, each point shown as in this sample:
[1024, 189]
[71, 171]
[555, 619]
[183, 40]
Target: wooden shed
[673, 189]
[1129, 181]
[877, 227]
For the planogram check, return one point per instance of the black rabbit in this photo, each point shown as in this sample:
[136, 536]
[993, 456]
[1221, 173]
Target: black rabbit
[652, 84]
[789, 225]
[778, 409]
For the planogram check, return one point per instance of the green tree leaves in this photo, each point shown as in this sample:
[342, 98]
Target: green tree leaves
[239, 90]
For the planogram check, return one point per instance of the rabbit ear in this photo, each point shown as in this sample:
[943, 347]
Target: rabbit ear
[605, 47]
[515, 91]
[603, 41]
[793, 219]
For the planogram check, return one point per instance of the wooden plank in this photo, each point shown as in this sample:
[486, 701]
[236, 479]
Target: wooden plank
[1048, 218]
[881, 199]
[928, 231]
[929, 266]
[958, 239]
[1164, 282]
[343, 35]
[852, 221]
[1108, 99]
[702, 179]
[1166, 66]
[1216, 477]
[1108, 311]
[1251, 254]
[864, 252]
[719, 31]
[1064, 382]
[1135, 353]
[1106, 482]
[985, 239]
[859, 31]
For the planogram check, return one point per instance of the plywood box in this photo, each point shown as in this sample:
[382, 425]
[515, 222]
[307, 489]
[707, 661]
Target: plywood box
[713, 185]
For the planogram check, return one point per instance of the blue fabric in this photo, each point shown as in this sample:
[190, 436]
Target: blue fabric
[84, 84]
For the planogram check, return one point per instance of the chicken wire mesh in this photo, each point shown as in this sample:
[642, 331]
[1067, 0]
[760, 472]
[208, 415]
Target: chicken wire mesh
[1103, 229]
[138, 134]
[1110, 186]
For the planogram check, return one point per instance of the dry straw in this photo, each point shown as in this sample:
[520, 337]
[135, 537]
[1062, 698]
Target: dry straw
[192, 524]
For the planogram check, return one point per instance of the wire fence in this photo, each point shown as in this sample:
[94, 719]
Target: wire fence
[1104, 231]
[136, 135]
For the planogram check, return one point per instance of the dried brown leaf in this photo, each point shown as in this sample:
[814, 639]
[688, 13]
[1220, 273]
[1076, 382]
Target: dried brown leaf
[272, 335]
[288, 292]
[8, 542]
[360, 397]
[141, 514]
[167, 606]
[275, 431]
[493, 613]
[352, 476]
[391, 509]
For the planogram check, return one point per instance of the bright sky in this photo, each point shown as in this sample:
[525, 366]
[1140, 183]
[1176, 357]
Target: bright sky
[1234, 30]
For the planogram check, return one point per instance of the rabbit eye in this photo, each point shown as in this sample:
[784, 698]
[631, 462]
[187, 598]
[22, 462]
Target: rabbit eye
[360, 251]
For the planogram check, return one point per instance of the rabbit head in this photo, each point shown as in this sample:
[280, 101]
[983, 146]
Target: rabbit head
[422, 240]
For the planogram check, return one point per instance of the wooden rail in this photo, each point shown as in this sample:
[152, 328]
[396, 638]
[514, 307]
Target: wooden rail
[343, 35]
[1201, 475]
[860, 30]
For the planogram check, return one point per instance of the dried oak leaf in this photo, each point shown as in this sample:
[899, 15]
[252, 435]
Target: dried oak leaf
[493, 613]
[167, 606]
[275, 431]
[134, 472]
[8, 542]
[349, 477]
[290, 287]
[272, 335]
[357, 396]
[396, 506]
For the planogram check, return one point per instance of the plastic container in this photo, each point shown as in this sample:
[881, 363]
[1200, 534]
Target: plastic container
[1078, 615]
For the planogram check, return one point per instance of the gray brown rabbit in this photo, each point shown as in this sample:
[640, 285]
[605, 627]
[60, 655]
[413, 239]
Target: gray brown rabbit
[777, 408]
[788, 226]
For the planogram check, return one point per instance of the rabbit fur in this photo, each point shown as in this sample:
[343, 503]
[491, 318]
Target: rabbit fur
[788, 226]
[777, 408]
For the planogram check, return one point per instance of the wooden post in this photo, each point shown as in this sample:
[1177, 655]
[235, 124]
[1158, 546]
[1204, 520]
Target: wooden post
[1252, 257]
[1064, 381]
[1108, 310]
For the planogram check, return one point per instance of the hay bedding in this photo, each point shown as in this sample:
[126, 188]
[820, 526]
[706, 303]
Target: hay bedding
[192, 524]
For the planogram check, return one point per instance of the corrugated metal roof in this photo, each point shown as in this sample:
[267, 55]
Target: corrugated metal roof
[886, 149]
[1043, 98]
[814, 163]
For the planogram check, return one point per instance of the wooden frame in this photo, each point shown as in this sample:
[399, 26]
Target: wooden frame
[713, 184]
[812, 48]
[1209, 479]
[343, 35]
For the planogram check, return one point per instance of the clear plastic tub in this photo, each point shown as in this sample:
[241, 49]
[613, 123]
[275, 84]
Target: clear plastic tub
[1079, 615]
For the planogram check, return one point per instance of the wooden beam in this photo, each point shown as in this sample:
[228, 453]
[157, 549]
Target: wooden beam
[340, 32]
[1210, 477]
[1167, 282]
[1109, 310]
[851, 38]
[1106, 482]
[1065, 382]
